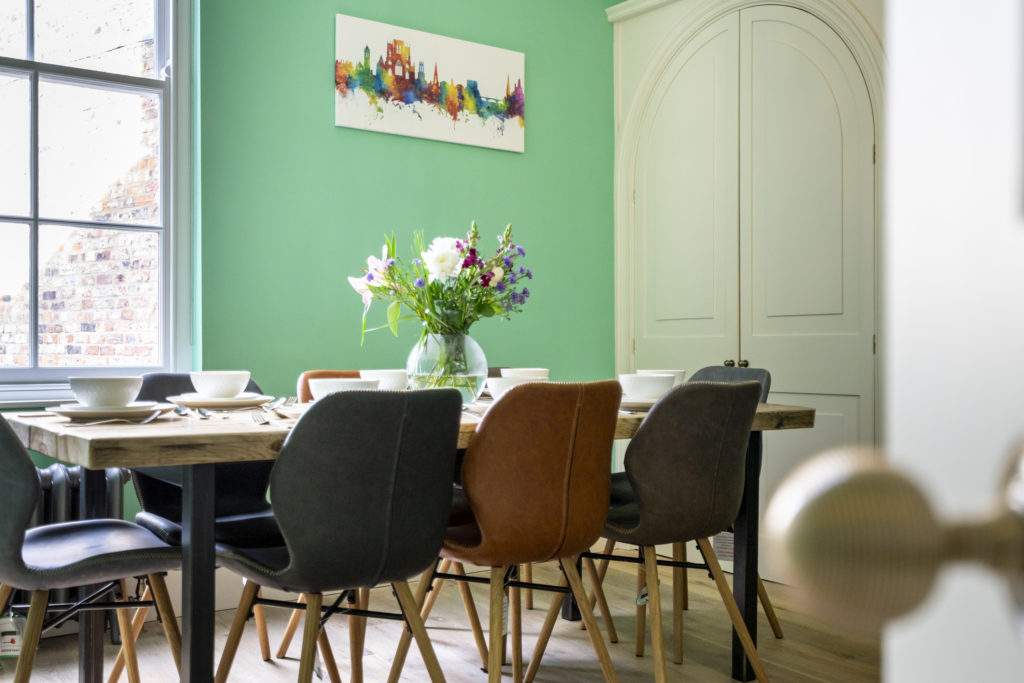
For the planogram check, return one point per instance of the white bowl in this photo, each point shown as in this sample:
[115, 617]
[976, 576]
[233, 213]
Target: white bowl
[220, 383]
[390, 380]
[105, 392]
[532, 373]
[645, 386]
[330, 385]
[499, 385]
[680, 375]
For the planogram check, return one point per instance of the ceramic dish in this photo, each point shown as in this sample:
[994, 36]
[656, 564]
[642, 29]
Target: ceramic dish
[292, 412]
[136, 409]
[630, 403]
[243, 400]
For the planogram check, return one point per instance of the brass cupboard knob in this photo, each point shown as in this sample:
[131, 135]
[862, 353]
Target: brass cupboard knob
[863, 544]
[729, 363]
[744, 364]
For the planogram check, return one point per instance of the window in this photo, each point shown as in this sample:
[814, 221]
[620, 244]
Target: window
[86, 198]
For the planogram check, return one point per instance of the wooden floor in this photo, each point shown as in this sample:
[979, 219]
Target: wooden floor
[810, 651]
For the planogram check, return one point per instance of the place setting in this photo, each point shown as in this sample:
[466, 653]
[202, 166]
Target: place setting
[108, 400]
[642, 389]
[220, 390]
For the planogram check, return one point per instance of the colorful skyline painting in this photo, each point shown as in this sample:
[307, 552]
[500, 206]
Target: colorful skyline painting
[397, 80]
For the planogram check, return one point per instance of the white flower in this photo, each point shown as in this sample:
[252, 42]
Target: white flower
[442, 259]
[499, 273]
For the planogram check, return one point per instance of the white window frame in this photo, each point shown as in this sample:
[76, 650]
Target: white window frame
[21, 387]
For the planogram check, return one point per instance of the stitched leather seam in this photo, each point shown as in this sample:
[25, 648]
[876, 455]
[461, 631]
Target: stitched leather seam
[396, 460]
[718, 461]
[566, 502]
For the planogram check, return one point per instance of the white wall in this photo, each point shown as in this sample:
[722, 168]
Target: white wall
[954, 268]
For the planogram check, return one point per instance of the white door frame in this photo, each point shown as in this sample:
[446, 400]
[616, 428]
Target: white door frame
[849, 25]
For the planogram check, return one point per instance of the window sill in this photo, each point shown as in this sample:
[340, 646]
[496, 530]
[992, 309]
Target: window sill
[19, 396]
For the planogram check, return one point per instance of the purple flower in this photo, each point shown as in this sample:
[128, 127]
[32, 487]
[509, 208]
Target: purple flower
[500, 286]
[522, 270]
[521, 251]
[419, 282]
[511, 278]
[507, 306]
[369, 277]
[390, 263]
[416, 261]
[507, 262]
[529, 273]
[526, 293]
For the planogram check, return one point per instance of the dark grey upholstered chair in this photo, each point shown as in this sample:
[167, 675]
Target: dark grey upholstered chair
[375, 511]
[67, 554]
[684, 481]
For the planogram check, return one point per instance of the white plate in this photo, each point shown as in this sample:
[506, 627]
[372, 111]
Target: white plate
[630, 403]
[136, 409]
[243, 400]
[293, 411]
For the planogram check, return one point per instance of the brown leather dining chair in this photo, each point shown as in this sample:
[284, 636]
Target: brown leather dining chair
[535, 488]
[302, 387]
[684, 481]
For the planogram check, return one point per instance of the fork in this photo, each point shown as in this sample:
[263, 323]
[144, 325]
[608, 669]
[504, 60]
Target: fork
[259, 417]
[147, 419]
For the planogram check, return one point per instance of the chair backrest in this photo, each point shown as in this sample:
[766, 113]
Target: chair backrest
[362, 488]
[302, 386]
[537, 473]
[240, 487]
[19, 489]
[721, 373]
[686, 460]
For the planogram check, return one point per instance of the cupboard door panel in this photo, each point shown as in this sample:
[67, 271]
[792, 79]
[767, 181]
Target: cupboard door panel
[685, 282]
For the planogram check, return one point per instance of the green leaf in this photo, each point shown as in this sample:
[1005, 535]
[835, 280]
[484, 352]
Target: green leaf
[394, 309]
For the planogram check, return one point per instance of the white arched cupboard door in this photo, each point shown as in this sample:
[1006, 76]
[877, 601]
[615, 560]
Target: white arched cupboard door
[753, 223]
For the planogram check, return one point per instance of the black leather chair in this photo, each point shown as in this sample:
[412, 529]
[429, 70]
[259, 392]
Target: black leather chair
[684, 481]
[376, 511]
[67, 554]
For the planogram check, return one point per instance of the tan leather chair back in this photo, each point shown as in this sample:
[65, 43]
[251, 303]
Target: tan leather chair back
[302, 388]
[537, 472]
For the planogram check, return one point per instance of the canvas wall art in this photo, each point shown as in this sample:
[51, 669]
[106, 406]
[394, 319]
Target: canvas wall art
[397, 80]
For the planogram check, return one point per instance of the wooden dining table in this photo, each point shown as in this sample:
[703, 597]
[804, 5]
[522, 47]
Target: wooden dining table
[196, 445]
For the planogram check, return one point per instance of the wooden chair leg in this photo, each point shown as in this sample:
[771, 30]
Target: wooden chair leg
[435, 589]
[495, 614]
[5, 595]
[131, 660]
[227, 658]
[30, 638]
[419, 631]
[545, 632]
[515, 628]
[259, 615]
[398, 661]
[654, 603]
[165, 610]
[329, 662]
[138, 621]
[357, 636]
[680, 600]
[569, 568]
[641, 610]
[598, 597]
[473, 616]
[769, 610]
[733, 609]
[602, 569]
[528, 592]
[310, 636]
[289, 630]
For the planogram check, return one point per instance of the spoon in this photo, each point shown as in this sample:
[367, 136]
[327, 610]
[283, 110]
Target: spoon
[276, 403]
[203, 413]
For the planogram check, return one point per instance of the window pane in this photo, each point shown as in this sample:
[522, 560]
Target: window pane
[106, 35]
[12, 29]
[99, 297]
[14, 320]
[99, 154]
[14, 144]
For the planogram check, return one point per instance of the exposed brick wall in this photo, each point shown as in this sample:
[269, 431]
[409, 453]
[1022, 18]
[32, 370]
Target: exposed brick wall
[99, 290]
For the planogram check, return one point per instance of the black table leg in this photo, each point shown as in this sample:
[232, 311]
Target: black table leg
[92, 504]
[744, 587]
[197, 584]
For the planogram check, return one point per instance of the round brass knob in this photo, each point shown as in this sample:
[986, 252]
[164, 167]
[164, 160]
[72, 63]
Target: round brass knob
[744, 364]
[729, 363]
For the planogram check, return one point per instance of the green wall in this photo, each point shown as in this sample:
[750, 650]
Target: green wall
[291, 205]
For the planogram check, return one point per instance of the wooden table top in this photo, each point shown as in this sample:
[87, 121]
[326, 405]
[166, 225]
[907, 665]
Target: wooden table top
[233, 437]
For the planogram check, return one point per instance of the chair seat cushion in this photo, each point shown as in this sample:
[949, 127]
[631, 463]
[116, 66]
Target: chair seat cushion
[622, 490]
[92, 551]
[251, 530]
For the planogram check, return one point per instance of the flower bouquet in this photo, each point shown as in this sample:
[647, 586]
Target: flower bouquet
[447, 287]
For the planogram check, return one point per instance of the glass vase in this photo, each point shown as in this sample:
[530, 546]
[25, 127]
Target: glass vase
[448, 360]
